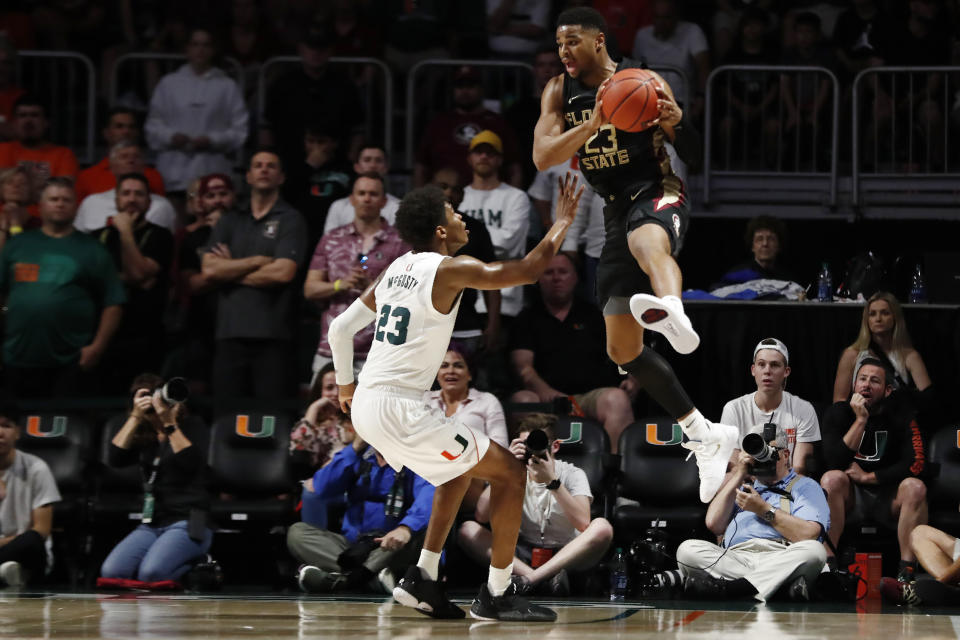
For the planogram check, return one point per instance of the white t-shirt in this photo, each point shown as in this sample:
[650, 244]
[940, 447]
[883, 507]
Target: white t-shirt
[97, 208]
[30, 485]
[341, 212]
[587, 227]
[678, 50]
[794, 414]
[543, 515]
[506, 213]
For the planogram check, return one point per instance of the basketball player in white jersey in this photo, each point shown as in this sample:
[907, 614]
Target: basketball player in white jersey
[414, 304]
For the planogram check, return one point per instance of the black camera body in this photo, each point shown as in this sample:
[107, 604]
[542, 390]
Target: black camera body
[536, 445]
[764, 456]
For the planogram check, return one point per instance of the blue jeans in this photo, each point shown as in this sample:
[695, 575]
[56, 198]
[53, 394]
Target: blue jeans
[152, 554]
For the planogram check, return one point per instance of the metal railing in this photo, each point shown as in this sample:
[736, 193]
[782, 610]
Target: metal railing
[757, 105]
[486, 67]
[901, 135]
[68, 82]
[149, 67]
[378, 125]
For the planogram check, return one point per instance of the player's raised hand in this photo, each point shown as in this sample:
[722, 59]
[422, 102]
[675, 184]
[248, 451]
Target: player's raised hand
[569, 198]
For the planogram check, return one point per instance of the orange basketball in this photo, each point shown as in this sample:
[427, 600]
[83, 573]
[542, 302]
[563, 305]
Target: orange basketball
[630, 100]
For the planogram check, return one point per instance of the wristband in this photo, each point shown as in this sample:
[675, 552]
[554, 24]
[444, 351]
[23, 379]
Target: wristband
[336, 285]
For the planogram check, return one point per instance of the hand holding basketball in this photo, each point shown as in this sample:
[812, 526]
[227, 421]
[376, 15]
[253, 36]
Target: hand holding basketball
[630, 100]
[670, 112]
[599, 118]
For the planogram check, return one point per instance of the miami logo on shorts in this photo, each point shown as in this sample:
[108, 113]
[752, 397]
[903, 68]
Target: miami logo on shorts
[463, 447]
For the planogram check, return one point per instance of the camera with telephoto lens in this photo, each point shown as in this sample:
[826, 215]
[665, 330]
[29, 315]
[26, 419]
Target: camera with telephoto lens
[536, 445]
[764, 456]
[174, 391]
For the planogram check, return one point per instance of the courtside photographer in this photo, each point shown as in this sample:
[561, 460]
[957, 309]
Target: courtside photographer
[173, 534]
[772, 520]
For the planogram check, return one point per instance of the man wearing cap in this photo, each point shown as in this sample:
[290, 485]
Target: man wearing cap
[313, 94]
[875, 452]
[505, 210]
[447, 137]
[771, 403]
[771, 519]
[216, 197]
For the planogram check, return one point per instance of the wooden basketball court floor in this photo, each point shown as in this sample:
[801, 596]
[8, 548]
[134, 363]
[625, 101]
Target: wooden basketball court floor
[131, 616]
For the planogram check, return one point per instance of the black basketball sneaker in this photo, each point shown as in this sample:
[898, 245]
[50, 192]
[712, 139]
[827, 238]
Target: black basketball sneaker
[425, 595]
[509, 607]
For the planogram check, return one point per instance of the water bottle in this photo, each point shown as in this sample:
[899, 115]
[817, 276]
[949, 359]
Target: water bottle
[619, 578]
[825, 284]
[918, 288]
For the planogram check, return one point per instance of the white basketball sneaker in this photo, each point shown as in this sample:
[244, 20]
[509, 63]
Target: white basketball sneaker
[665, 315]
[713, 447]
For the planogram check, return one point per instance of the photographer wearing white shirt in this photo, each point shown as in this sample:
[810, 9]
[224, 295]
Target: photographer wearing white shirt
[556, 532]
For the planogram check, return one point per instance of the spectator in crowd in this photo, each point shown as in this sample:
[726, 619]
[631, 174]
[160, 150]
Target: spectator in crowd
[875, 453]
[884, 335]
[98, 209]
[523, 114]
[420, 31]
[674, 42]
[197, 118]
[252, 258]
[857, 36]
[577, 371]
[31, 149]
[477, 409]
[64, 301]
[805, 94]
[142, 253]
[215, 198]
[9, 90]
[250, 39]
[316, 436]
[446, 141]
[318, 181]
[474, 334]
[557, 533]
[355, 34]
[748, 104]
[772, 403]
[373, 157]
[173, 533]
[314, 93]
[771, 520]
[122, 125]
[14, 200]
[505, 210]
[349, 258]
[27, 494]
[587, 228]
[765, 237]
[383, 527]
[515, 27]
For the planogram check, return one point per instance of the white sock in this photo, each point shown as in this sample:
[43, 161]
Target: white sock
[691, 425]
[673, 301]
[429, 564]
[499, 579]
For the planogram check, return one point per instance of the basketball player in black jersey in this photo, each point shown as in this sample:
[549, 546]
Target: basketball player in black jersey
[645, 219]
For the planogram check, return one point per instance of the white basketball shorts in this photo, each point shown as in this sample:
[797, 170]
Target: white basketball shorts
[407, 433]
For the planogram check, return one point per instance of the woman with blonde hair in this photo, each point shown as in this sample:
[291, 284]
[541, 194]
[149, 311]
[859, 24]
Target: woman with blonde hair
[883, 335]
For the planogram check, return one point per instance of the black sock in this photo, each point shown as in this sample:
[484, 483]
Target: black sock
[832, 563]
[740, 588]
[655, 374]
[669, 579]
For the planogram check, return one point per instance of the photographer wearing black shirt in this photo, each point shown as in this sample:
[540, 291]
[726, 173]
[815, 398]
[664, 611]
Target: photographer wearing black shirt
[173, 533]
[875, 451]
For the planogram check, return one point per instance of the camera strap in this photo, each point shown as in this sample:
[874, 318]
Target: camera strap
[149, 501]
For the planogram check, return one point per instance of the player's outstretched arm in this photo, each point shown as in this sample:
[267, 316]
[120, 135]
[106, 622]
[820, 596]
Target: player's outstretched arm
[551, 144]
[464, 271]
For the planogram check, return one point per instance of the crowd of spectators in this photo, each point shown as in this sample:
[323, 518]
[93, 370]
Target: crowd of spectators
[207, 240]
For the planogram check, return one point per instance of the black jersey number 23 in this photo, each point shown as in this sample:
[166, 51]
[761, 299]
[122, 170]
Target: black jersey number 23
[398, 335]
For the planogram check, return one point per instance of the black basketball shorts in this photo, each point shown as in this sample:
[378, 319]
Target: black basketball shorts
[618, 274]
